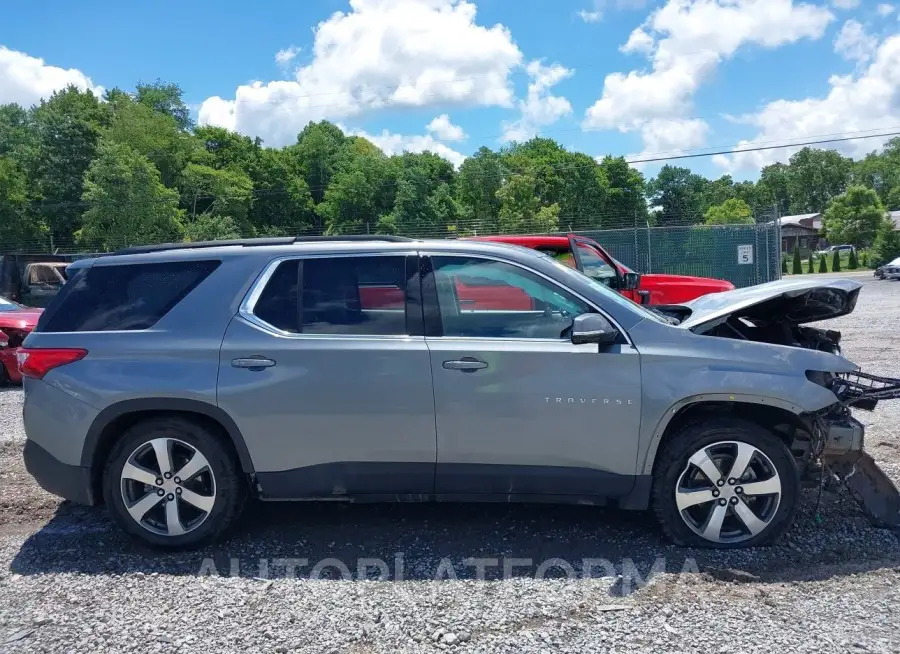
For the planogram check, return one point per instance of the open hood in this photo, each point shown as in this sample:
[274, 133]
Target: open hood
[795, 301]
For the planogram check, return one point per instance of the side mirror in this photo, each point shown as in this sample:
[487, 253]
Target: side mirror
[631, 281]
[593, 328]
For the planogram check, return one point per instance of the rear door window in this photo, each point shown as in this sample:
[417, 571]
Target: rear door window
[123, 297]
[340, 295]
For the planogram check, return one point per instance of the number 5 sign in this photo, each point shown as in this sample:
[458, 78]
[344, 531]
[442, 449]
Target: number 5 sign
[745, 254]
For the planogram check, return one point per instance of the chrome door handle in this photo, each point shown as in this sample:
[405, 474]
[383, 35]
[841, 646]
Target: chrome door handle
[253, 363]
[466, 364]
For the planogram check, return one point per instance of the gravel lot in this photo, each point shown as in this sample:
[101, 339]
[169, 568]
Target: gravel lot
[70, 583]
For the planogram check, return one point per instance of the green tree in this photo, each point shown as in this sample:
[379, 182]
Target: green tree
[221, 149]
[865, 260]
[357, 196]
[887, 244]
[68, 126]
[165, 98]
[19, 228]
[625, 205]
[209, 227]
[797, 267]
[126, 201]
[773, 188]
[155, 135]
[810, 266]
[836, 261]
[823, 265]
[480, 177]
[317, 150]
[784, 268]
[852, 264]
[880, 171]
[283, 204]
[521, 211]
[730, 212]
[207, 191]
[815, 177]
[677, 193]
[854, 217]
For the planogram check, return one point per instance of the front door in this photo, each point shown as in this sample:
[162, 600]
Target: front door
[327, 375]
[519, 409]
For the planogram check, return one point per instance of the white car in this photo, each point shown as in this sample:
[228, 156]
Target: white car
[889, 270]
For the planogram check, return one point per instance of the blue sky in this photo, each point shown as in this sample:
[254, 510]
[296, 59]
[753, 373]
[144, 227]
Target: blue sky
[694, 73]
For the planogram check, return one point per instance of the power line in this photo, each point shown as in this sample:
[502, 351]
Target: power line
[766, 147]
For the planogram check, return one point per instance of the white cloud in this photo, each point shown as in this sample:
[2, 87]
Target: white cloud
[885, 9]
[381, 53]
[854, 43]
[392, 144]
[598, 8]
[444, 130]
[864, 100]
[845, 4]
[25, 79]
[540, 107]
[686, 40]
[590, 16]
[639, 42]
[287, 55]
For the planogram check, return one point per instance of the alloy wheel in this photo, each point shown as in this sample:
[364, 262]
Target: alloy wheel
[728, 492]
[168, 487]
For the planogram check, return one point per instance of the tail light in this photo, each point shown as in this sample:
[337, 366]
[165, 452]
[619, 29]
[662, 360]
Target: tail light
[36, 362]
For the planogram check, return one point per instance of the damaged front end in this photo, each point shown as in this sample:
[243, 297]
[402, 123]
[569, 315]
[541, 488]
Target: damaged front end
[840, 437]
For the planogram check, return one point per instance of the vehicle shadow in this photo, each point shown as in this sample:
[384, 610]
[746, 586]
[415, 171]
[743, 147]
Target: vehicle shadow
[446, 541]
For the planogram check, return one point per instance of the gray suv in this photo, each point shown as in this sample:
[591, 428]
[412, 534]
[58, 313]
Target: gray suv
[173, 383]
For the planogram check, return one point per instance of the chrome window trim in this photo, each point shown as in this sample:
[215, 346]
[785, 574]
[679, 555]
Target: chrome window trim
[248, 304]
[593, 305]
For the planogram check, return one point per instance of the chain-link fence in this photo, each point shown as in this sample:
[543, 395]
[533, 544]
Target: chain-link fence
[744, 254]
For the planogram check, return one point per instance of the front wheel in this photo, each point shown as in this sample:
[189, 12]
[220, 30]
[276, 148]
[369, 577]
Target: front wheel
[725, 483]
[170, 482]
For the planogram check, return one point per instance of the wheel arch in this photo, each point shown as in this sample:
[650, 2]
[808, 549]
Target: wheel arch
[762, 410]
[116, 418]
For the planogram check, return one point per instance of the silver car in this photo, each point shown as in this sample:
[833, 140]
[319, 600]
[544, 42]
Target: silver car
[173, 383]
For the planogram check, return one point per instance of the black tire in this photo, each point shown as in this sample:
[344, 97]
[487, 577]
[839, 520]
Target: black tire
[230, 483]
[673, 459]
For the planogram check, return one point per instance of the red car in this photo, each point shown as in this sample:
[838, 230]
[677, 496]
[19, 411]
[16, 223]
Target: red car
[16, 322]
[589, 257]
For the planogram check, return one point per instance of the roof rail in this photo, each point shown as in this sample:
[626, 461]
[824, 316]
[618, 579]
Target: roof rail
[258, 242]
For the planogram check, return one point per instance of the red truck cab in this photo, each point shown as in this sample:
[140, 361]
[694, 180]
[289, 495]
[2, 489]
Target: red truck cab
[589, 257]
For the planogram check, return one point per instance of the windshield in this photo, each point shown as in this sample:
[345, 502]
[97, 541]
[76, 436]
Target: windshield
[895, 262]
[8, 305]
[603, 289]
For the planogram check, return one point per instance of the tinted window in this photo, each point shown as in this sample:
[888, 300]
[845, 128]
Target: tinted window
[341, 295]
[123, 297]
[505, 302]
[354, 295]
[277, 304]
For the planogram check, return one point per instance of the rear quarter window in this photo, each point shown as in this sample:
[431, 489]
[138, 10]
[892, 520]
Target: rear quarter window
[123, 297]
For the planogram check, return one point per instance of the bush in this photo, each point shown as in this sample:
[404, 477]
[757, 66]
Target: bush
[810, 267]
[853, 264]
[797, 267]
[823, 267]
[783, 266]
[836, 261]
[865, 260]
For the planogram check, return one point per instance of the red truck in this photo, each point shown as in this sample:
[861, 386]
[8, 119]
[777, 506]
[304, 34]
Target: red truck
[589, 257]
[16, 322]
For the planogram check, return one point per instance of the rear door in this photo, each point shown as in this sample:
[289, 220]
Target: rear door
[327, 375]
[520, 410]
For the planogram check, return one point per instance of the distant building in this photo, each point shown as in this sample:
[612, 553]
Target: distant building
[895, 218]
[803, 230]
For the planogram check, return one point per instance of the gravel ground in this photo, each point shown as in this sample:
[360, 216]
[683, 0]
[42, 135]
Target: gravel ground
[582, 579]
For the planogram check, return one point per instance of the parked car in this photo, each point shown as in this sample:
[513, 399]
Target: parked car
[16, 322]
[890, 270]
[172, 382]
[32, 279]
[829, 251]
[588, 256]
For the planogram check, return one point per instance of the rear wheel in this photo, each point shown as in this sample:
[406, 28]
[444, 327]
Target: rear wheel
[170, 482]
[725, 483]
